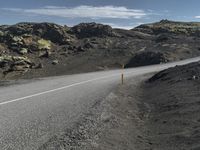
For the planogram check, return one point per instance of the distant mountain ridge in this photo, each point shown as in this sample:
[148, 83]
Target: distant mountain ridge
[166, 26]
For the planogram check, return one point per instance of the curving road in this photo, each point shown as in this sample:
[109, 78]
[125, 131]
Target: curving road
[31, 112]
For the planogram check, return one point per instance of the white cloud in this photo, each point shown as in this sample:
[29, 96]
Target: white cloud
[127, 27]
[84, 12]
[119, 26]
[197, 17]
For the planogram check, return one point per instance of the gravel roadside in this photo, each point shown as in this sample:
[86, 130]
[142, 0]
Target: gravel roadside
[115, 123]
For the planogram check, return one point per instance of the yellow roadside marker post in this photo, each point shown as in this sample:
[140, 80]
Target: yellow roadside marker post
[122, 76]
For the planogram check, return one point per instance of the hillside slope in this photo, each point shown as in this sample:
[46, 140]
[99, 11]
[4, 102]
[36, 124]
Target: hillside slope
[173, 98]
[45, 49]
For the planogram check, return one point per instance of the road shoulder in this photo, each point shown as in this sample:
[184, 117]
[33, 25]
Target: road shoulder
[116, 122]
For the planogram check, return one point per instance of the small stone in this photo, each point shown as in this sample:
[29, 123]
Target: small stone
[17, 39]
[39, 66]
[80, 49]
[88, 45]
[194, 78]
[44, 54]
[55, 62]
[23, 51]
[19, 68]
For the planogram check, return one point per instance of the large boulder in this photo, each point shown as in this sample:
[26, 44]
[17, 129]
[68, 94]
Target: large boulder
[146, 58]
[20, 29]
[15, 63]
[23, 51]
[53, 32]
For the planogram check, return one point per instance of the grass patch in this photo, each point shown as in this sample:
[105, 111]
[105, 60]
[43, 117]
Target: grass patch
[44, 44]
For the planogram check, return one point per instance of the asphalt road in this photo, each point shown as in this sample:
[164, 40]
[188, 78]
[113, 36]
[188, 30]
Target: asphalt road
[32, 111]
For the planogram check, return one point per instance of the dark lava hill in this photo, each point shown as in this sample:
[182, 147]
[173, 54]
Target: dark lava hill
[45, 49]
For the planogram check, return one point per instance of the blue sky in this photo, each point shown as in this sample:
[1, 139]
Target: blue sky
[117, 13]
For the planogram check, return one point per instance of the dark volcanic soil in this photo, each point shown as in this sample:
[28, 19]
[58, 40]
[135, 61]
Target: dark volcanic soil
[174, 98]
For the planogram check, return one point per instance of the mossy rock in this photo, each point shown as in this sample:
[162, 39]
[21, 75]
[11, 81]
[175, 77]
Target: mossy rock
[17, 39]
[44, 44]
[8, 58]
[19, 58]
[1, 33]
[2, 47]
[23, 51]
[26, 35]
[27, 41]
[5, 58]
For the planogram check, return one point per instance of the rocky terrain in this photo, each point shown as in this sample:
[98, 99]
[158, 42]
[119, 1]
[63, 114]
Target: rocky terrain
[30, 50]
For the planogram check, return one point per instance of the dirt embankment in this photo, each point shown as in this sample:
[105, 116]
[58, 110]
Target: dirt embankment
[174, 99]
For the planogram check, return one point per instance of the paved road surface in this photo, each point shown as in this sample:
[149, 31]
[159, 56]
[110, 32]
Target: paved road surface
[33, 111]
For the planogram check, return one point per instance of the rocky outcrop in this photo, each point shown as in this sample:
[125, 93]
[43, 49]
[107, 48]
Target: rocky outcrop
[53, 32]
[14, 63]
[87, 30]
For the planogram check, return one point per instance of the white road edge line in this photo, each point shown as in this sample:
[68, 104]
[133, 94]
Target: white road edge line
[57, 89]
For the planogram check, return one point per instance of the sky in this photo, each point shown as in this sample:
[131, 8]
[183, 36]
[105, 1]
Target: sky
[116, 13]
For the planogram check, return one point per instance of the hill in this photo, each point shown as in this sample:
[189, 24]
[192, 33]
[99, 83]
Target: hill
[45, 49]
[173, 98]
